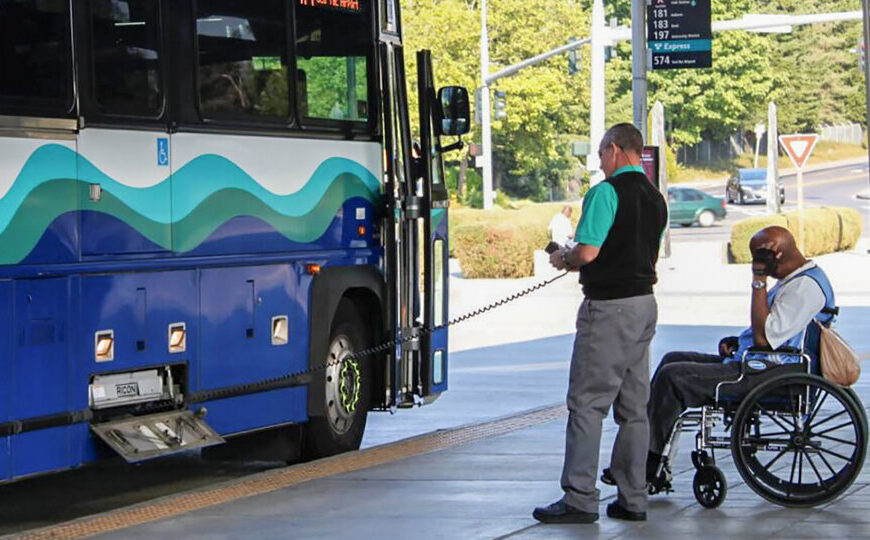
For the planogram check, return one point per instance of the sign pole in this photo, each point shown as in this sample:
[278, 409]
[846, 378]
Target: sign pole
[799, 147]
[800, 198]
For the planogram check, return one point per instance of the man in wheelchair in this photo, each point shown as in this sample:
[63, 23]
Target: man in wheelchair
[779, 317]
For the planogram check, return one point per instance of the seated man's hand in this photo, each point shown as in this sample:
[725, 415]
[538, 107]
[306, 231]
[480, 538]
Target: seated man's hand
[727, 346]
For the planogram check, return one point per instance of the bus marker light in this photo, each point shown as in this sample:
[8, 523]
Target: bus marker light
[104, 345]
[280, 330]
[177, 338]
[312, 268]
[361, 230]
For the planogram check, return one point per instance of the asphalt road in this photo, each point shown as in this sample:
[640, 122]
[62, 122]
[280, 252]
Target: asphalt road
[833, 187]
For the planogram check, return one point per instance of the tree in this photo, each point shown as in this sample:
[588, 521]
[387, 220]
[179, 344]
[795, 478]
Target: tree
[543, 102]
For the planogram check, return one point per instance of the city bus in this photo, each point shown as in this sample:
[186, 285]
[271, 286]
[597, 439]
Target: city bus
[209, 209]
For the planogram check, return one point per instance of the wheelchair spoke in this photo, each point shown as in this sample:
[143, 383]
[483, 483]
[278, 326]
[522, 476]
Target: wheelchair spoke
[775, 459]
[828, 464]
[817, 408]
[794, 413]
[776, 420]
[828, 419]
[836, 439]
[844, 458]
[815, 470]
[844, 424]
[800, 455]
[791, 476]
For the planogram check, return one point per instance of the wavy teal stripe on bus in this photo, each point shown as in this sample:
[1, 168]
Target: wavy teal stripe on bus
[57, 197]
[191, 185]
[189, 190]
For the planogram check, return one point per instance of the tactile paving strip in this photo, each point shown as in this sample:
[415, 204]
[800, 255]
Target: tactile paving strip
[275, 479]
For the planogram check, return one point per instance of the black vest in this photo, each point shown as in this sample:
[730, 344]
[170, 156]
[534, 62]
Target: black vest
[626, 264]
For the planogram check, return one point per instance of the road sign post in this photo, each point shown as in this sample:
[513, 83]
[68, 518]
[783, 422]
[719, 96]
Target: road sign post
[799, 147]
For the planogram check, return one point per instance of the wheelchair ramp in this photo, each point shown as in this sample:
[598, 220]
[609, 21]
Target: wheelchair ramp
[145, 437]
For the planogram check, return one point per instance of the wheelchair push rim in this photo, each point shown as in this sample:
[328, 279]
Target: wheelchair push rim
[799, 440]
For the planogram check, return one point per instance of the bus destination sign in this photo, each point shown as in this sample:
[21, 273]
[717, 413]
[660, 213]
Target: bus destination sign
[679, 34]
[346, 6]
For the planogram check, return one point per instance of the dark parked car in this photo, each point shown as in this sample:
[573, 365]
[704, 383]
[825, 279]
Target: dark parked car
[750, 185]
[688, 206]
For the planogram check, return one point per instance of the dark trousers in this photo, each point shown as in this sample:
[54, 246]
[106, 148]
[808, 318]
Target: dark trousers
[683, 380]
[689, 379]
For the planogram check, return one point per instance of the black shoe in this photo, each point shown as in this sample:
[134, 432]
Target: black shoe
[560, 512]
[616, 511]
[607, 477]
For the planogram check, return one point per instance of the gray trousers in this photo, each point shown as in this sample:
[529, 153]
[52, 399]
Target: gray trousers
[609, 366]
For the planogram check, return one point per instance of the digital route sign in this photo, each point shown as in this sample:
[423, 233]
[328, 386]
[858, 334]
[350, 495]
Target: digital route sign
[678, 34]
[346, 6]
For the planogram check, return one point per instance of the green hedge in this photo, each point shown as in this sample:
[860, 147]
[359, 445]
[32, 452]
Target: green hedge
[500, 243]
[827, 230]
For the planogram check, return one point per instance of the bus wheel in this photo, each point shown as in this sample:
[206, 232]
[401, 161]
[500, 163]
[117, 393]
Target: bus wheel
[346, 384]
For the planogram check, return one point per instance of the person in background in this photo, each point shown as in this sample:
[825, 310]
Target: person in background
[560, 228]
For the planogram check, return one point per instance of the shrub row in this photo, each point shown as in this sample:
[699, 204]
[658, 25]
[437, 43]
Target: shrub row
[500, 243]
[827, 230]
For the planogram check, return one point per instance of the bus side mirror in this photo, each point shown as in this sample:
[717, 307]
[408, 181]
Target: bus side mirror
[454, 111]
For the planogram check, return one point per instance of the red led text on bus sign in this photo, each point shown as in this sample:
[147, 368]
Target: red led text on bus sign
[352, 6]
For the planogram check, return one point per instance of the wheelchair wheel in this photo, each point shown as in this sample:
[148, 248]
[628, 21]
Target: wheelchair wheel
[799, 440]
[710, 486]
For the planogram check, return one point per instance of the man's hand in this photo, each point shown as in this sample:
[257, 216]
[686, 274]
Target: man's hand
[727, 346]
[556, 259]
[759, 268]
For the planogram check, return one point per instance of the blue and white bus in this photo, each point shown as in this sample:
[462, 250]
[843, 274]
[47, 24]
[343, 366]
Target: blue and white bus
[202, 202]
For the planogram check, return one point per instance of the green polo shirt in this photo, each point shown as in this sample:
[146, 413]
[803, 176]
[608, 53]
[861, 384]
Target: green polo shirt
[599, 210]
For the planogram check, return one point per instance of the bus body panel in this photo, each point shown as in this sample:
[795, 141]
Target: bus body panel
[131, 170]
[41, 382]
[39, 204]
[138, 307]
[271, 193]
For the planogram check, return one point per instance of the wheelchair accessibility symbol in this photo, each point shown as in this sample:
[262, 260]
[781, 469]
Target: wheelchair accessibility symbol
[162, 152]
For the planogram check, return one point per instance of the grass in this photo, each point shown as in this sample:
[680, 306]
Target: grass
[722, 169]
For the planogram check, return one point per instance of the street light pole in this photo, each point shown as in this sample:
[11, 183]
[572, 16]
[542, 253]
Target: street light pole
[486, 128]
[865, 5]
[597, 104]
[638, 64]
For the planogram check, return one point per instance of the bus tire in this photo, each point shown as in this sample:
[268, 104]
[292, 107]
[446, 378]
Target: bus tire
[346, 385]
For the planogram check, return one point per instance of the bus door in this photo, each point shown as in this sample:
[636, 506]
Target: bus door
[415, 236]
[433, 235]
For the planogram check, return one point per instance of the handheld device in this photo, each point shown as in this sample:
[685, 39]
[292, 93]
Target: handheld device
[552, 247]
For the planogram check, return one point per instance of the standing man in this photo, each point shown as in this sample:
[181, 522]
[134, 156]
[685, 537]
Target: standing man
[560, 227]
[617, 248]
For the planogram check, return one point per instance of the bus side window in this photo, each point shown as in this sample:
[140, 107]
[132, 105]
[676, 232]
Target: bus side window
[126, 53]
[333, 48]
[242, 68]
[35, 58]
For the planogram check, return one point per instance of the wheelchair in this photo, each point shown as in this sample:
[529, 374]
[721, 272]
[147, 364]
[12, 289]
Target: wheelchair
[796, 439]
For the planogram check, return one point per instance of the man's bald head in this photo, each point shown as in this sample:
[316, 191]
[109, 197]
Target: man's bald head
[780, 238]
[782, 242]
